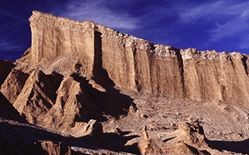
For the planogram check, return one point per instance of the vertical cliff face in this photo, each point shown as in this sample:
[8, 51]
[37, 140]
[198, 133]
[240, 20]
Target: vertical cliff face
[211, 76]
[75, 72]
[54, 38]
[135, 64]
[139, 65]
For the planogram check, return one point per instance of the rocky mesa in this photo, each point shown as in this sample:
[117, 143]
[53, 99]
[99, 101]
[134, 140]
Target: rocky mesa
[135, 64]
[102, 91]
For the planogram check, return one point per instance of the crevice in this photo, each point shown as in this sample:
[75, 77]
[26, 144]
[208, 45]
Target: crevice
[150, 60]
[181, 69]
[136, 78]
[112, 102]
[55, 81]
[244, 60]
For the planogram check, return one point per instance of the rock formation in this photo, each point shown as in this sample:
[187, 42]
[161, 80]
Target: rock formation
[134, 64]
[94, 89]
[13, 84]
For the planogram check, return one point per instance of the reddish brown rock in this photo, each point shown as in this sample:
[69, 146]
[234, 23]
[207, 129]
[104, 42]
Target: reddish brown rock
[55, 149]
[72, 105]
[135, 64]
[13, 84]
[77, 74]
[37, 96]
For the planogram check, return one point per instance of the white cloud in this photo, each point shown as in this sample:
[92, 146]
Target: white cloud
[7, 40]
[213, 10]
[229, 18]
[191, 14]
[98, 11]
[229, 29]
[9, 45]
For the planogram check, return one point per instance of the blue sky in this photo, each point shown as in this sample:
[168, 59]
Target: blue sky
[222, 25]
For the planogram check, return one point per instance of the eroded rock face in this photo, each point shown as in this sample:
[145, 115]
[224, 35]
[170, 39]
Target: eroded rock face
[37, 96]
[5, 68]
[55, 149]
[84, 80]
[13, 84]
[135, 64]
[72, 106]
[188, 139]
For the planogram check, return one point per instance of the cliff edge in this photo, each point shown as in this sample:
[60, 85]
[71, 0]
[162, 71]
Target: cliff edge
[134, 64]
[82, 87]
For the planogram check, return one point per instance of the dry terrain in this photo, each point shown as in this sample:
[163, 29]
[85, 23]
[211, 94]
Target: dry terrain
[83, 88]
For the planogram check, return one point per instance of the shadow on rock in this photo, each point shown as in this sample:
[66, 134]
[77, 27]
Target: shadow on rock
[111, 102]
[109, 141]
[7, 111]
[233, 146]
[30, 139]
[20, 138]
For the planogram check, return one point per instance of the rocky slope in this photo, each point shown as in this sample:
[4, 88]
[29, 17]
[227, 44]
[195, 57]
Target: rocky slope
[136, 64]
[94, 86]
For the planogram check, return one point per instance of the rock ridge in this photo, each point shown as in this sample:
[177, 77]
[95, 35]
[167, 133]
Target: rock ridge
[83, 82]
[135, 64]
[158, 49]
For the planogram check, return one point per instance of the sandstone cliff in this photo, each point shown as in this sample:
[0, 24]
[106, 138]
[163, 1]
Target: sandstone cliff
[135, 64]
[88, 86]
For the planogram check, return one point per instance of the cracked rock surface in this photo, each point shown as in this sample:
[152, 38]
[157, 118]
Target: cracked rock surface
[83, 88]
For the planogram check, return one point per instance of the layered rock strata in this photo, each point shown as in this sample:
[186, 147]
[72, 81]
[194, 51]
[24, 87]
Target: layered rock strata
[135, 64]
[83, 80]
